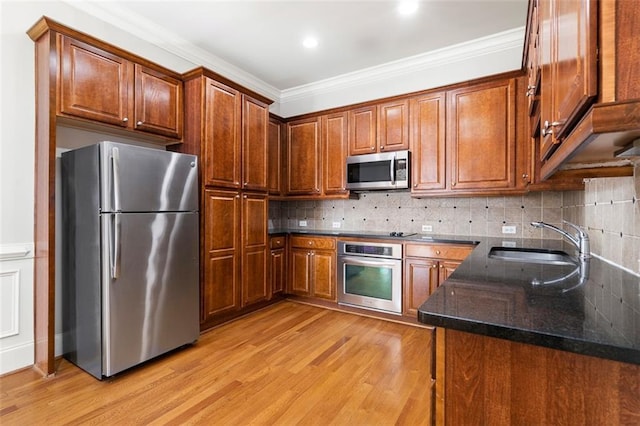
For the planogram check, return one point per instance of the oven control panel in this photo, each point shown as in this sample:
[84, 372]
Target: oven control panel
[392, 251]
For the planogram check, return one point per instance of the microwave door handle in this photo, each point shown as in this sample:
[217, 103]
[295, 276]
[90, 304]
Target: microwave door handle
[392, 169]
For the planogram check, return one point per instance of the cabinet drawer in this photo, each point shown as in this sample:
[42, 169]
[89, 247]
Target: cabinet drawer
[277, 242]
[438, 251]
[313, 242]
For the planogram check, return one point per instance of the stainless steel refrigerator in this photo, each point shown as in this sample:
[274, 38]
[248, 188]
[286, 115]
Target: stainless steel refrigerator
[130, 286]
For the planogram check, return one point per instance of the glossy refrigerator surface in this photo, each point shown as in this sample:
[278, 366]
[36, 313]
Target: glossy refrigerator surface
[130, 257]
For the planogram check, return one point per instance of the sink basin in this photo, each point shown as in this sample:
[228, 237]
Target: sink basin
[531, 255]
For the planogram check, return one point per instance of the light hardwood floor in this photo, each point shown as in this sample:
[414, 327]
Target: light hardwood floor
[287, 364]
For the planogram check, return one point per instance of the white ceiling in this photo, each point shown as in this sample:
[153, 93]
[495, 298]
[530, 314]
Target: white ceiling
[263, 38]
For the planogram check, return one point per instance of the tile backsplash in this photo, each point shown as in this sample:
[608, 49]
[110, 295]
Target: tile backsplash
[397, 211]
[608, 209]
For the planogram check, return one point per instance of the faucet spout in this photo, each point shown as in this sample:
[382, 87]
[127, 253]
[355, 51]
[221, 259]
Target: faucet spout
[580, 240]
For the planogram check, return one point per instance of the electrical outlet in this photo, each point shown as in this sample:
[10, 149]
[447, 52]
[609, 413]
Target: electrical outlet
[336, 224]
[509, 244]
[508, 229]
[427, 228]
[302, 223]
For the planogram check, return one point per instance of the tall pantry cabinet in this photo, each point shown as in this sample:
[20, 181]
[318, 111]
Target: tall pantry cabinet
[227, 127]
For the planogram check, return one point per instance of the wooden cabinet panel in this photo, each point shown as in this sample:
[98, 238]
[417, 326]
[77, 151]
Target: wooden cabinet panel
[393, 126]
[221, 279]
[303, 151]
[277, 271]
[158, 103]
[300, 272]
[481, 119]
[313, 242]
[362, 131]
[334, 147]
[275, 157]
[438, 251]
[420, 280]
[569, 74]
[255, 144]
[103, 87]
[254, 248]
[324, 274]
[428, 142]
[221, 135]
[426, 266]
[94, 84]
[313, 266]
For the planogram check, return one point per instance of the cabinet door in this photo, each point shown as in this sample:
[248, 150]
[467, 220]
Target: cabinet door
[275, 157]
[94, 84]
[482, 119]
[221, 282]
[393, 126]
[277, 271]
[575, 67]
[323, 277]
[300, 264]
[303, 151]
[254, 248]
[362, 131]
[221, 135]
[428, 142]
[445, 269]
[334, 147]
[420, 280]
[545, 33]
[255, 144]
[158, 103]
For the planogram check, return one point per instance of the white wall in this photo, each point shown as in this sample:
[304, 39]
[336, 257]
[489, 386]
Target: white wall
[17, 149]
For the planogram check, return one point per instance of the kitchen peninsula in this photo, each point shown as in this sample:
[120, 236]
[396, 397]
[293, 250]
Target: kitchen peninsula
[536, 343]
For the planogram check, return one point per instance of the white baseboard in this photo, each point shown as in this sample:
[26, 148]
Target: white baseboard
[16, 357]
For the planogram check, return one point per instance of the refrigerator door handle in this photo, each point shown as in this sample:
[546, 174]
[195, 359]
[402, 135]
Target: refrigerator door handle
[115, 173]
[114, 258]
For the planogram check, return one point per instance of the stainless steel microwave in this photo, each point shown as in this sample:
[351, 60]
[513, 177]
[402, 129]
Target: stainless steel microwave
[386, 170]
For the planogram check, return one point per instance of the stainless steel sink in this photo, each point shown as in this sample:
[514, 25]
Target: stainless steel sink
[532, 255]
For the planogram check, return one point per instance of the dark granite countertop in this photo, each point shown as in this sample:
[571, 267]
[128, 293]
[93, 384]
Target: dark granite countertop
[591, 308]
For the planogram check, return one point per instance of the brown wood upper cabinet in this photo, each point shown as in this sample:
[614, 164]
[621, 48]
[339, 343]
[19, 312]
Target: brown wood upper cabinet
[303, 157]
[481, 136]
[101, 86]
[229, 129]
[275, 156]
[316, 156]
[568, 32]
[428, 171]
[379, 128]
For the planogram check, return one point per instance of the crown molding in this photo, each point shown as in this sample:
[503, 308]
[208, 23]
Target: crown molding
[141, 27]
[484, 46]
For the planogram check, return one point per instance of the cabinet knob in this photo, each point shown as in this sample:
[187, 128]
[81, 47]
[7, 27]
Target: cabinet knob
[381, 147]
[525, 176]
[373, 148]
[434, 266]
[453, 184]
[124, 120]
[441, 266]
[437, 251]
[139, 123]
[415, 185]
[238, 196]
[531, 90]
[309, 242]
[245, 197]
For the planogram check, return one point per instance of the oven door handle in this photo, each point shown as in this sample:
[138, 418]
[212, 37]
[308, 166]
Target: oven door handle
[359, 261]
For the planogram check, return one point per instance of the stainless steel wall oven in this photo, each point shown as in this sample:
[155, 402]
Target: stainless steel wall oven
[370, 275]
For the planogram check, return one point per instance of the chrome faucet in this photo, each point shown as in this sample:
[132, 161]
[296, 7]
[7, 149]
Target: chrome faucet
[580, 240]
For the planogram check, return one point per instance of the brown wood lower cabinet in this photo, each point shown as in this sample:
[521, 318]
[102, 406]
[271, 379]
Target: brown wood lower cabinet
[278, 265]
[426, 266]
[312, 262]
[484, 380]
[234, 254]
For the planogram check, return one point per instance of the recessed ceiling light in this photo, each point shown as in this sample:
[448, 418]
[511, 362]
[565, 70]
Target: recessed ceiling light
[407, 7]
[310, 42]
